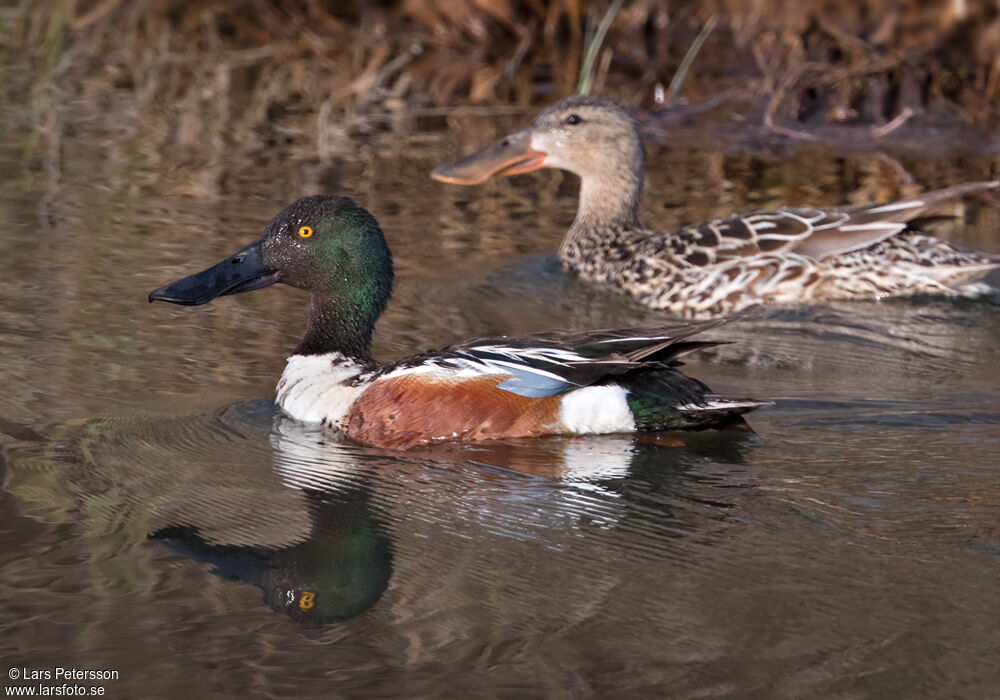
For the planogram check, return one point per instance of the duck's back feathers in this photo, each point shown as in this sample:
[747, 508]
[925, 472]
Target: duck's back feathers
[868, 224]
[546, 364]
[798, 254]
[548, 383]
[812, 232]
[918, 259]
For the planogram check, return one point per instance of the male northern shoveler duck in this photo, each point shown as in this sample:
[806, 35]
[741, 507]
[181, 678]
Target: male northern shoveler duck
[793, 254]
[545, 384]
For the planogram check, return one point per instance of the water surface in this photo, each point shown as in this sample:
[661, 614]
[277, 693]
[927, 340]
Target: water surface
[160, 518]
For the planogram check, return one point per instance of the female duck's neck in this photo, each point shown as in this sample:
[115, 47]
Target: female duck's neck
[608, 210]
[335, 326]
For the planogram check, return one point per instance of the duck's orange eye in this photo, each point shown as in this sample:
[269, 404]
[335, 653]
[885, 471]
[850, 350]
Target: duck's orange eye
[305, 232]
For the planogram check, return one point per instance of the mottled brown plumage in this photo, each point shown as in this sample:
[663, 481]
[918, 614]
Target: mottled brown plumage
[793, 254]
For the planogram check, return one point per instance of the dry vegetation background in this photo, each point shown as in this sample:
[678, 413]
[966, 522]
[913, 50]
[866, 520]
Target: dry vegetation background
[185, 87]
[191, 79]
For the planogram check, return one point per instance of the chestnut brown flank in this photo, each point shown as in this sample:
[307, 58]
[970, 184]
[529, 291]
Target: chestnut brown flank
[405, 411]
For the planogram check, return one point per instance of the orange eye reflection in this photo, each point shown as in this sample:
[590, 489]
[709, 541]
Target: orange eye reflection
[305, 232]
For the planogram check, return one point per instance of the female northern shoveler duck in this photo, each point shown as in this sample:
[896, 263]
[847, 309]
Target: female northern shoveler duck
[545, 384]
[794, 254]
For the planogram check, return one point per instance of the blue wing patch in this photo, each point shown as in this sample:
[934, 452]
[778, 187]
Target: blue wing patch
[534, 386]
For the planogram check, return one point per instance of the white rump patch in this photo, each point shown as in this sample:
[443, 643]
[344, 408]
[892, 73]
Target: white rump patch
[596, 409]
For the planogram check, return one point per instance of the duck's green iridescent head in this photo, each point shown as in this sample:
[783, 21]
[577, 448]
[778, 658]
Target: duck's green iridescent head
[326, 245]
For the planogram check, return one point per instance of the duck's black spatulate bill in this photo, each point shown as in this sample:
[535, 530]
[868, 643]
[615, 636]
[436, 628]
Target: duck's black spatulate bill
[242, 272]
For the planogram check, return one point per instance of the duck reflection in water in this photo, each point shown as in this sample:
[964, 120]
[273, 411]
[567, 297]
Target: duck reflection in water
[339, 572]
[208, 486]
[338, 558]
[263, 500]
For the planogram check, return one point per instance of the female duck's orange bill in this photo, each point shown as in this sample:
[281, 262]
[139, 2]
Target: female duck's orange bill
[511, 155]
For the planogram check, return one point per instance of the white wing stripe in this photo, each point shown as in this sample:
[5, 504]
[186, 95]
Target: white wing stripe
[834, 222]
[874, 226]
[896, 206]
[634, 337]
[781, 236]
[798, 218]
[549, 354]
[520, 369]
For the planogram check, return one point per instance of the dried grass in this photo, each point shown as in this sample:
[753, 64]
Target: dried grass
[190, 81]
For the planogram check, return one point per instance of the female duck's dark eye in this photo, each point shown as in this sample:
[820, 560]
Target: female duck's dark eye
[573, 119]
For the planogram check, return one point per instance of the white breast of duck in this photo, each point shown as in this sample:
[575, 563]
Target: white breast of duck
[319, 388]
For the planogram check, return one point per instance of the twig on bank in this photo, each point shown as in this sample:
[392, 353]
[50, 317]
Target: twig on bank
[898, 121]
[236, 57]
[773, 128]
[664, 115]
[828, 76]
[790, 133]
